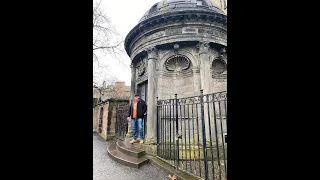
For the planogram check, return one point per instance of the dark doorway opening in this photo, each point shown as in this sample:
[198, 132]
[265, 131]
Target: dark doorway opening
[142, 90]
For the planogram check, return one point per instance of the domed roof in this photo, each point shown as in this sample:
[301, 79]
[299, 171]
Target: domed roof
[166, 6]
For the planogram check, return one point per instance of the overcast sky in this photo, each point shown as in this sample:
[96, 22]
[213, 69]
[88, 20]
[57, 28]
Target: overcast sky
[124, 15]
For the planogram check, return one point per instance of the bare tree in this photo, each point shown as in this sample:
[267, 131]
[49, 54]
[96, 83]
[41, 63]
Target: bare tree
[102, 90]
[106, 42]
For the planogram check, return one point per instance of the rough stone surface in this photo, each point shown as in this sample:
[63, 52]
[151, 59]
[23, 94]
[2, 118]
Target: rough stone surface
[104, 168]
[109, 118]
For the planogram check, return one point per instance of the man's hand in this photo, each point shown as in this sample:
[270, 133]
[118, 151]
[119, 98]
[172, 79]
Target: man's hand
[128, 118]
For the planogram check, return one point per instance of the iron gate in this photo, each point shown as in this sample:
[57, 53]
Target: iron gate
[121, 120]
[191, 134]
[100, 120]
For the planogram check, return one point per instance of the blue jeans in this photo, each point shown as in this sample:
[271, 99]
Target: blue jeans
[137, 124]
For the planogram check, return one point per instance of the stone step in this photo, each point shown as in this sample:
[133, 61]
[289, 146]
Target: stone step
[125, 159]
[129, 149]
[136, 145]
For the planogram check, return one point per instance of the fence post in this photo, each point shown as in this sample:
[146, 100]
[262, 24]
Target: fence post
[177, 134]
[157, 126]
[204, 140]
[129, 133]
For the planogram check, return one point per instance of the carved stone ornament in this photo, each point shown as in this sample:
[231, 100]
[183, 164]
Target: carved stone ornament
[151, 50]
[152, 53]
[203, 47]
[177, 63]
[223, 50]
[218, 66]
[176, 46]
[141, 67]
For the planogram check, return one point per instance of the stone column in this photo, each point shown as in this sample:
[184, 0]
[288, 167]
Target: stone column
[132, 93]
[205, 81]
[196, 80]
[205, 67]
[152, 87]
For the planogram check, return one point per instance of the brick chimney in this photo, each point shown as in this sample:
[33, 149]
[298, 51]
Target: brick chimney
[120, 88]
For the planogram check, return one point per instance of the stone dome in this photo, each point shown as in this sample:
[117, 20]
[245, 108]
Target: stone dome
[170, 6]
[158, 21]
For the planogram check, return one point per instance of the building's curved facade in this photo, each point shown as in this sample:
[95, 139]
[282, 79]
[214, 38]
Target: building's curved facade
[178, 47]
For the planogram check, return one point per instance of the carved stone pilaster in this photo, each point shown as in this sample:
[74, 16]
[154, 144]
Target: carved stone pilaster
[203, 47]
[204, 66]
[152, 53]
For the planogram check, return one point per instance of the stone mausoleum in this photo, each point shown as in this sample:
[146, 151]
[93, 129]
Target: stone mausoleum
[178, 47]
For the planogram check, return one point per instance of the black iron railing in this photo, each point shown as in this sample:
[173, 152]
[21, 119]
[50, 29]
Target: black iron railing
[191, 134]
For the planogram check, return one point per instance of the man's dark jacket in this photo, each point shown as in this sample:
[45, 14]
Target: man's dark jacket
[141, 109]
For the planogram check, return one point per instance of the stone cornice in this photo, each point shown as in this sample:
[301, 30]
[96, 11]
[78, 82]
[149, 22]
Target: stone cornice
[195, 15]
[173, 39]
[160, 31]
[178, 9]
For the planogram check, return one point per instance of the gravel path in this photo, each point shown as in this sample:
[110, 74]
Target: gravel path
[104, 168]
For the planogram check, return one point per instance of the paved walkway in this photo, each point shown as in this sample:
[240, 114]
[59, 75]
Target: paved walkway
[104, 168]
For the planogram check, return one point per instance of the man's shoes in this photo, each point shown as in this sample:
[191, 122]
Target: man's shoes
[141, 141]
[133, 141]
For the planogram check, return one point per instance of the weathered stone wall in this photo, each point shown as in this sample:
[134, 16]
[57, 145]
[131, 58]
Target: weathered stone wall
[109, 118]
[96, 118]
[182, 82]
[219, 85]
[112, 119]
[186, 83]
[177, 85]
[105, 120]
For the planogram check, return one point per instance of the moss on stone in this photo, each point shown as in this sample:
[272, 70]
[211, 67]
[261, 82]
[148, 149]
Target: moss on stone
[103, 136]
[170, 169]
[193, 153]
